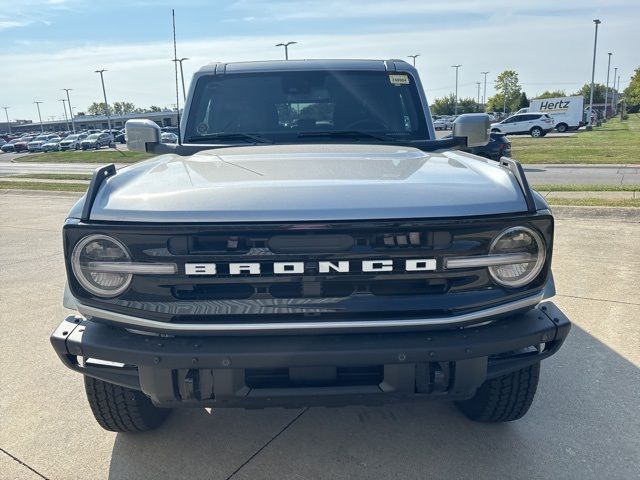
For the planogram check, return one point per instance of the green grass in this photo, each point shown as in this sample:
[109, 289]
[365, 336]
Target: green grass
[595, 202]
[89, 156]
[51, 187]
[55, 176]
[568, 187]
[614, 142]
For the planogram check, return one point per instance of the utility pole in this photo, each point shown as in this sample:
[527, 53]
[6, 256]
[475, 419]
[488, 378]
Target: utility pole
[64, 105]
[104, 92]
[6, 112]
[414, 58]
[180, 60]
[73, 123]
[484, 94]
[39, 116]
[286, 48]
[606, 91]
[456, 107]
[615, 92]
[478, 101]
[593, 73]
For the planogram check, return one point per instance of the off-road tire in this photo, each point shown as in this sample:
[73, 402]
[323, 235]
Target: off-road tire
[120, 409]
[505, 398]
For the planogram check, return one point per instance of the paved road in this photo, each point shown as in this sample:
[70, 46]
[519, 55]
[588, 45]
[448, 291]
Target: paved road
[584, 423]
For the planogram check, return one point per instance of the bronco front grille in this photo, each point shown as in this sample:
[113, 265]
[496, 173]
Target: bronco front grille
[307, 289]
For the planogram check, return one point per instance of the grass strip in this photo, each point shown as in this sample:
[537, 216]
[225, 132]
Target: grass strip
[594, 202]
[98, 156]
[51, 187]
[55, 176]
[599, 187]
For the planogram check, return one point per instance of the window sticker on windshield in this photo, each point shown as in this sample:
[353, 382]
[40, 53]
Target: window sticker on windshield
[399, 79]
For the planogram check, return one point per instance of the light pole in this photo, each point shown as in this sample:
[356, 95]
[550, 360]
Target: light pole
[286, 48]
[64, 105]
[39, 116]
[618, 89]
[456, 107]
[6, 112]
[180, 60]
[615, 92]
[104, 92]
[484, 94]
[478, 101]
[73, 123]
[414, 58]
[606, 91]
[593, 73]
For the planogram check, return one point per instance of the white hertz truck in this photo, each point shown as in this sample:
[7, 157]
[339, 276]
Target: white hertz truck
[567, 112]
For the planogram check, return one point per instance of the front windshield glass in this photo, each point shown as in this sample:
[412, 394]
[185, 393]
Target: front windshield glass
[72, 137]
[93, 136]
[293, 106]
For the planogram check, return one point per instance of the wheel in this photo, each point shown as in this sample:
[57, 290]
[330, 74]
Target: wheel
[120, 409]
[505, 398]
[562, 127]
[97, 146]
[536, 132]
[77, 147]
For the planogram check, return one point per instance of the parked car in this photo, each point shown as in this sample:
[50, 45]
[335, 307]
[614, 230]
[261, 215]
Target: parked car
[9, 146]
[440, 123]
[53, 145]
[36, 144]
[72, 142]
[498, 146]
[2, 142]
[168, 137]
[169, 130]
[536, 124]
[21, 145]
[120, 137]
[97, 141]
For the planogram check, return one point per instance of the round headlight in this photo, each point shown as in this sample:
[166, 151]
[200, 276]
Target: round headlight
[85, 263]
[529, 245]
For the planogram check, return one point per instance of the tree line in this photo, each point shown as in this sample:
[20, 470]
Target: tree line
[119, 108]
[510, 96]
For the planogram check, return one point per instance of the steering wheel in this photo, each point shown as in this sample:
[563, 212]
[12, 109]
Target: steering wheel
[368, 124]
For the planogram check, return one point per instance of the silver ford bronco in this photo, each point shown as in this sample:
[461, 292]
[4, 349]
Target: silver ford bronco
[308, 241]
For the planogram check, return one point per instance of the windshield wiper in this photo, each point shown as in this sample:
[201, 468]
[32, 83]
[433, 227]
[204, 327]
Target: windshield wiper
[349, 134]
[230, 136]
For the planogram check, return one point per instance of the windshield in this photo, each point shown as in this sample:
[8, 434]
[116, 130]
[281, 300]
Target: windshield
[40, 138]
[93, 136]
[72, 137]
[287, 106]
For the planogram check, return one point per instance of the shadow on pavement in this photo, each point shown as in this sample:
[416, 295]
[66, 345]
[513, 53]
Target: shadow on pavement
[584, 423]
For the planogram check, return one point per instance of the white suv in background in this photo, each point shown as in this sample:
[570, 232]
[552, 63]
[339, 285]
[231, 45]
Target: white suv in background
[537, 124]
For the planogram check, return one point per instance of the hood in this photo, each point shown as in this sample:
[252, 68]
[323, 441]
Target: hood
[306, 183]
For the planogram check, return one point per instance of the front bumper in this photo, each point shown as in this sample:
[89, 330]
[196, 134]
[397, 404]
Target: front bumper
[302, 370]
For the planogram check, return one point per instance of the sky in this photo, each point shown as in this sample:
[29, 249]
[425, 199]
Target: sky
[48, 45]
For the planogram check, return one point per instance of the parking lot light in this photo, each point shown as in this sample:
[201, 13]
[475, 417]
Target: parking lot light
[286, 48]
[6, 112]
[73, 123]
[484, 94]
[104, 92]
[606, 91]
[414, 58]
[593, 73]
[39, 116]
[180, 60]
[64, 105]
[456, 107]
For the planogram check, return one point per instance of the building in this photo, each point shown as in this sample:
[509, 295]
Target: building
[168, 118]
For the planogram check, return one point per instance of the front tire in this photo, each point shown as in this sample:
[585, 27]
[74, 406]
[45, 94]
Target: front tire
[505, 398]
[120, 409]
[536, 132]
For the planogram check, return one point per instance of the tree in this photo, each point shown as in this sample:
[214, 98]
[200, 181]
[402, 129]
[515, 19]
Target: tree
[598, 92]
[506, 85]
[632, 92]
[154, 108]
[123, 108]
[96, 108]
[552, 94]
[523, 102]
[447, 105]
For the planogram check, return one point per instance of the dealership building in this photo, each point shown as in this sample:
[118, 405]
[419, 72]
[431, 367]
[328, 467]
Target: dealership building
[168, 118]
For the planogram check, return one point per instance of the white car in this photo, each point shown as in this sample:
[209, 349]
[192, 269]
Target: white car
[440, 123]
[536, 124]
[72, 142]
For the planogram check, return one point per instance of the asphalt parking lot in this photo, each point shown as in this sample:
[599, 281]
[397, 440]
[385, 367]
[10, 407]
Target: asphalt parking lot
[584, 423]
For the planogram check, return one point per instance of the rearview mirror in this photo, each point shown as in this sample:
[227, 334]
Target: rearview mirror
[142, 135]
[473, 127]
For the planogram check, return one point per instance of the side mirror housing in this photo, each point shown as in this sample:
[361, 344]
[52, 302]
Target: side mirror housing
[142, 135]
[475, 128]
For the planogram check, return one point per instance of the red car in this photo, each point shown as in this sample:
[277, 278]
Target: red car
[21, 145]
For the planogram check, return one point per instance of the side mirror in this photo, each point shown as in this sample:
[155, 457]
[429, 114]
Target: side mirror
[475, 128]
[142, 135]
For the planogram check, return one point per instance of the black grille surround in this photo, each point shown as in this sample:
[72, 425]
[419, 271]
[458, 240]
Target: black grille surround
[316, 296]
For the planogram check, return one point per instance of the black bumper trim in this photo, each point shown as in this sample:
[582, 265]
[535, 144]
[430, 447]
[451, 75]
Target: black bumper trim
[152, 358]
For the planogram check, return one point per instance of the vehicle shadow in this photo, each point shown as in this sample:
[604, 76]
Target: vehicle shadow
[583, 424]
